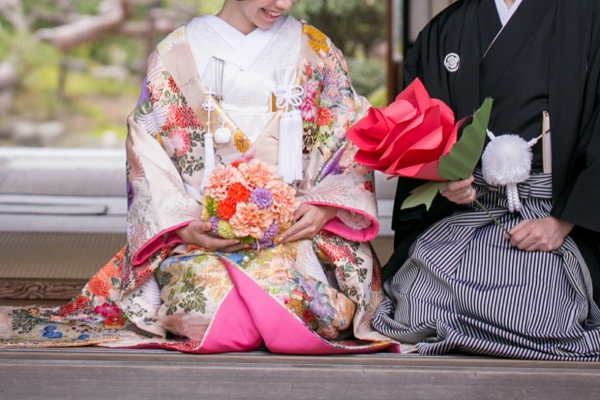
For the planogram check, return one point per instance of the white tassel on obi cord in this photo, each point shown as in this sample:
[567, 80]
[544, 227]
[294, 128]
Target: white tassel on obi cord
[209, 146]
[289, 100]
[506, 161]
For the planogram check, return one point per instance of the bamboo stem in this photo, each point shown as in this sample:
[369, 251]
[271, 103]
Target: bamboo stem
[493, 218]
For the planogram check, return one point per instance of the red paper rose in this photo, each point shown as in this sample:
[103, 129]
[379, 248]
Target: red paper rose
[408, 137]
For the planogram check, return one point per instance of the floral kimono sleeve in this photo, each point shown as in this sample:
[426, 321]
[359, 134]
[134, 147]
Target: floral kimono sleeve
[330, 107]
[158, 201]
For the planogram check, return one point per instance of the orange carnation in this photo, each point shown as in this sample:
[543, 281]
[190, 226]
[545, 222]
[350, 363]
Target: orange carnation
[226, 209]
[219, 181]
[285, 202]
[238, 193]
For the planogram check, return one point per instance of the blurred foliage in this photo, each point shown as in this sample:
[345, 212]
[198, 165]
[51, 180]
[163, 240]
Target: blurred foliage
[379, 98]
[367, 75]
[25, 52]
[353, 25]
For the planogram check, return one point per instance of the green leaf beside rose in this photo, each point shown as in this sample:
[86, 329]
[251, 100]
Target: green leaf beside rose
[461, 160]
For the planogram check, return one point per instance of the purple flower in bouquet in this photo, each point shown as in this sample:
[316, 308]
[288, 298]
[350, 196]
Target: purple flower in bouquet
[262, 198]
[215, 224]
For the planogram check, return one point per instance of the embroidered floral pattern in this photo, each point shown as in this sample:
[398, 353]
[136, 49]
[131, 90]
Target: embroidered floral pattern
[174, 38]
[106, 281]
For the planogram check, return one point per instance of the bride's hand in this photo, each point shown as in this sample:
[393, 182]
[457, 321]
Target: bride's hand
[309, 220]
[200, 233]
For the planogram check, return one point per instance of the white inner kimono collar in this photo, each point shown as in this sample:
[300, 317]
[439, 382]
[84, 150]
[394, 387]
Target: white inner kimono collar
[504, 12]
[249, 46]
[505, 15]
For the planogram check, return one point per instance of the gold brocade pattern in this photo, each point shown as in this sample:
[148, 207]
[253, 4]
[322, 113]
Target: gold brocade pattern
[316, 39]
[242, 144]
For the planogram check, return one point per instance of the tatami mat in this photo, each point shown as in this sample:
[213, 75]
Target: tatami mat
[384, 247]
[34, 255]
[78, 255]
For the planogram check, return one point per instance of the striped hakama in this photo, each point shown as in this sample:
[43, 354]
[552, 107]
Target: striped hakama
[465, 288]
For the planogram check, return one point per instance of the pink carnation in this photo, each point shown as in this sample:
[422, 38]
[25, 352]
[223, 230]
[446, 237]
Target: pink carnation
[220, 180]
[249, 220]
[284, 202]
[257, 174]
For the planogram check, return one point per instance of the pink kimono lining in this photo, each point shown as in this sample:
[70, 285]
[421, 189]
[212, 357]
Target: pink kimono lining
[250, 317]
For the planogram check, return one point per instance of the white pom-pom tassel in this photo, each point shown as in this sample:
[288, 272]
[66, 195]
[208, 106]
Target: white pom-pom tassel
[290, 146]
[209, 157]
[506, 161]
[223, 135]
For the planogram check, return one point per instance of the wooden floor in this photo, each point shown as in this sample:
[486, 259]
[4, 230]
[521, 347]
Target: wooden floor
[95, 373]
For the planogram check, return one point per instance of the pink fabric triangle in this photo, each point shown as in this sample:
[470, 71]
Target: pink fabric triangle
[281, 330]
[232, 328]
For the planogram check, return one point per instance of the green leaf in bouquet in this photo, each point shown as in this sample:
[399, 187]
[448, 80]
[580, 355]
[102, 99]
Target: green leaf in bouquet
[423, 194]
[463, 157]
[246, 239]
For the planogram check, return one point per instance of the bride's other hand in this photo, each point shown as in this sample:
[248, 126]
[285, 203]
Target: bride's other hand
[308, 221]
[200, 234]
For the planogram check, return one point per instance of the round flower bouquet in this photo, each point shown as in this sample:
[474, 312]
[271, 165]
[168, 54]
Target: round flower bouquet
[249, 201]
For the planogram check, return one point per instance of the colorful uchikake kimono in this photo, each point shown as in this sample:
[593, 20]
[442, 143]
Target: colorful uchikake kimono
[311, 296]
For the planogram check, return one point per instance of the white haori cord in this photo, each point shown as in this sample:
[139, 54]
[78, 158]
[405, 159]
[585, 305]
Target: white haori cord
[209, 146]
[223, 134]
[289, 99]
[506, 161]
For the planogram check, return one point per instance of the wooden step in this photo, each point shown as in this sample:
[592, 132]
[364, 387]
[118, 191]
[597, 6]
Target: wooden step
[96, 373]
